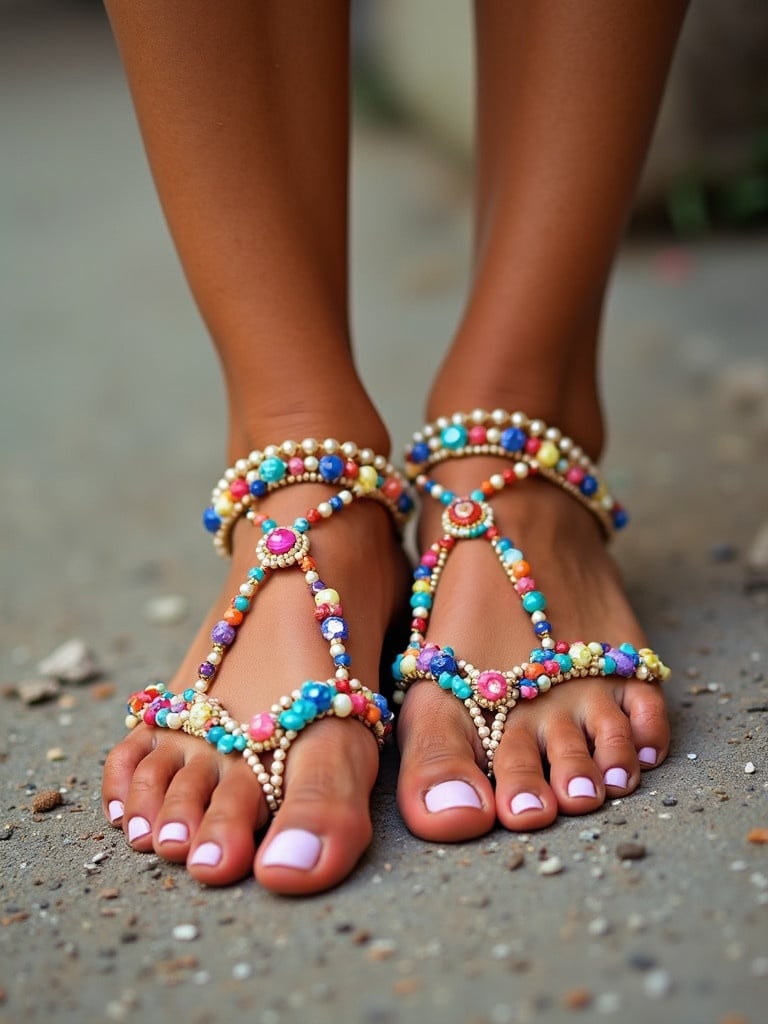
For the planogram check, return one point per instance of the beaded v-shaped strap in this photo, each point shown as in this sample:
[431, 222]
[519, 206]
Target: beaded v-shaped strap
[359, 474]
[491, 692]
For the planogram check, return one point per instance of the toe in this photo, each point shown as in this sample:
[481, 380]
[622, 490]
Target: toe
[186, 800]
[524, 800]
[645, 708]
[324, 824]
[149, 784]
[223, 846]
[574, 776]
[442, 793]
[614, 751]
[119, 769]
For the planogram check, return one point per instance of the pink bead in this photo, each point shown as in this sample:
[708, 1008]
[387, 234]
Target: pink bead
[532, 445]
[491, 685]
[238, 488]
[477, 435]
[429, 559]
[359, 703]
[525, 584]
[551, 668]
[528, 691]
[261, 727]
[280, 540]
[575, 475]
[296, 466]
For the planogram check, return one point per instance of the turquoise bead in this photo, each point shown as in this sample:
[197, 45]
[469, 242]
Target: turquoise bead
[215, 733]
[291, 721]
[445, 680]
[477, 496]
[240, 743]
[161, 718]
[461, 688]
[272, 470]
[512, 555]
[226, 744]
[301, 525]
[267, 525]
[421, 600]
[534, 601]
[564, 661]
[241, 604]
[454, 436]
[189, 695]
[610, 666]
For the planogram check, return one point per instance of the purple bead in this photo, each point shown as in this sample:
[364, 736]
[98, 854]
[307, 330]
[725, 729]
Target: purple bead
[317, 586]
[426, 654]
[625, 665]
[222, 633]
[206, 670]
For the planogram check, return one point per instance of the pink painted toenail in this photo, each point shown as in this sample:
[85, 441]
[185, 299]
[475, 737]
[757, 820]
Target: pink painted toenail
[115, 810]
[581, 786]
[648, 755]
[207, 854]
[293, 848]
[138, 828]
[447, 795]
[173, 832]
[525, 802]
[617, 777]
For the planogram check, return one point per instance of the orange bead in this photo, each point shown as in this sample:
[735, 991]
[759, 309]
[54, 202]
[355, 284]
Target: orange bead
[372, 714]
[487, 488]
[520, 569]
[533, 671]
[233, 616]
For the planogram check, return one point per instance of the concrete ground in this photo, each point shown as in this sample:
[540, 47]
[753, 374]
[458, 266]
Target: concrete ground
[112, 422]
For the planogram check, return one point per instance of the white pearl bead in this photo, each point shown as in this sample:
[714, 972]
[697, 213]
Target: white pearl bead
[493, 435]
[366, 456]
[519, 419]
[537, 617]
[310, 464]
[309, 445]
[499, 416]
[214, 657]
[247, 589]
[520, 469]
[547, 643]
[311, 576]
[349, 449]
[477, 415]
[330, 445]
[325, 510]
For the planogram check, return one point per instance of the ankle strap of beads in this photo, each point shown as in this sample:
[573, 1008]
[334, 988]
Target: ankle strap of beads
[360, 473]
[534, 447]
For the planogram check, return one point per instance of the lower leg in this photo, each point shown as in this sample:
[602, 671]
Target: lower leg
[567, 97]
[244, 112]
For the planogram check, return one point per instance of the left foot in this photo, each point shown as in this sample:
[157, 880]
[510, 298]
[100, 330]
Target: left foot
[584, 741]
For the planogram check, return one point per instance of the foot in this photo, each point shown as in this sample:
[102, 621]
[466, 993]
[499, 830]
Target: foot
[176, 795]
[584, 741]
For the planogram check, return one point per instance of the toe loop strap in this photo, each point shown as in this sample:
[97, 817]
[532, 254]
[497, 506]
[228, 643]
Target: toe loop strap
[268, 732]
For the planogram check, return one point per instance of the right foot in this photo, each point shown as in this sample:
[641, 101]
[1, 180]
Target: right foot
[174, 794]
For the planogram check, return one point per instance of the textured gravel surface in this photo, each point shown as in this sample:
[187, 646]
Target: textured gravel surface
[111, 417]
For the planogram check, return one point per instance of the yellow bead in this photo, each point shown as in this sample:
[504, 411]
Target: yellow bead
[596, 649]
[664, 671]
[367, 478]
[421, 587]
[408, 665]
[131, 721]
[327, 596]
[223, 506]
[548, 454]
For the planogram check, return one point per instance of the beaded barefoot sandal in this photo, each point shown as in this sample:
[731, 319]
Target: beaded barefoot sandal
[534, 450]
[358, 473]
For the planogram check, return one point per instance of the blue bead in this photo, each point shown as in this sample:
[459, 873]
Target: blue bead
[211, 520]
[447, 498]
[226, 744]
[267, 525]
[161, 718]
[330, 467]
[258, 488]
[419, 452]
[538, 656]
[513, 439]
[301, 525]
[215, 733]
[453, 437]
[320, 694]
[272, 470]
[564, 661]
[404, 503]
[620, 518]
[503, 544]
[534, 601]
[542, 627]
[396, 673]
[588, 486]
[342, 660]
[241, 604]
[336, 503]
[441, 663]
[381, 703]
[421, 572]
[334, 628]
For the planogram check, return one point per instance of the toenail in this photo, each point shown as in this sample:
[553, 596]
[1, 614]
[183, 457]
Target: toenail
[581, 786]
[208, 854]
[525, 802]
[173, 832]
[617, 777]
[115, 810]
[648, 755]
[447, 795]
[293, 848]
[138, 828]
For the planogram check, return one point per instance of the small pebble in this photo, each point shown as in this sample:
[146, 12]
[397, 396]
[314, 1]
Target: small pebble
[242, 971]
[749, 768]
[669, 801]
[658, 983]
[631, 851]
[608, 1002]
[589, 835]
[166, 610]
[550, 866]
[759, 967]
[577, 999]
[757, 835]
[186, 932]
[598, 927]
[381, 949]
[691, 757]
[55, 754]
[72, 662]
[516, 861]
[36, 691]
[641, 961]
[46, 800]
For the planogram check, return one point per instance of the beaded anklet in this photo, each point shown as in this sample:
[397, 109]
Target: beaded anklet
[471, 518]
[361, 474]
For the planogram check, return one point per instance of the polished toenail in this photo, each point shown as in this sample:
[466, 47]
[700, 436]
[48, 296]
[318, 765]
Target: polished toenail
[173, 832]
[207, 854]
[525, 802]
[447, 795]
[617, 777]
[581, 786]
[115, 810]
[138, 828]
[648, 755]
[293, 848]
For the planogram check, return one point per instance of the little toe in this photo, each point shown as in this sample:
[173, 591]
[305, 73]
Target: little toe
[186, 800]
[574, 776]
[222, 849]
[150, 782]
[644, 706]
[324, 825]
[524, 800]
[614, 749]
[442, 794]
[119, 769]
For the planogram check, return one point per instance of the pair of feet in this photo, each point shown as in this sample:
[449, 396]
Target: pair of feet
[585, 742]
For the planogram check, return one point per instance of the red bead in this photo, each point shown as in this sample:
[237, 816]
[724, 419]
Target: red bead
[351, 469]
[392, 488]
[342, 685]
[492, 532]
[562, 647]
[532, 445]
[322, 612]
[509, 476]
[313, 515]
[447, 543]
[238, 488]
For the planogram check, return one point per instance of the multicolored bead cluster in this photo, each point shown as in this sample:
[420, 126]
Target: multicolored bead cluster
[358, 470]
[534, 447]
[551, 661]
[361, 474]
[270, 731]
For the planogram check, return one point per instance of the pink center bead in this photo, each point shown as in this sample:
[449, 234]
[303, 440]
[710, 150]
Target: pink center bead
[491, 685]
[552, 668]
[238, 488]
[359, 703]
[280, 540]
[261, 727]
[296, 466]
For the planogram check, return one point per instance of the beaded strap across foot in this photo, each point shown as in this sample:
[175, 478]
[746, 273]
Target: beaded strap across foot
[491, 693]
[360, 474]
